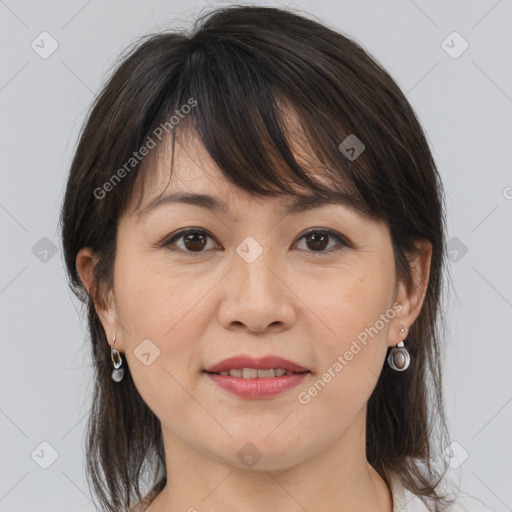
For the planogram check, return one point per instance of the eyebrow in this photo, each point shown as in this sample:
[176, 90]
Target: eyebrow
[299, 204]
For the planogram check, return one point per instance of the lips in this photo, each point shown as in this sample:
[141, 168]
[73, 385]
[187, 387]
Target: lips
[262, 363]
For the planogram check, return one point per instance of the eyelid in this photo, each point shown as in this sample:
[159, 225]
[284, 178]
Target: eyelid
[170, 239]
[342, 240]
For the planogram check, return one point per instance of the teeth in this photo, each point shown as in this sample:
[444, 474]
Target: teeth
[253, 373]
[249, 373]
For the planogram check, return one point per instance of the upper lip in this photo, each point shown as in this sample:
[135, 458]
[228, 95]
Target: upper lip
[260, 363]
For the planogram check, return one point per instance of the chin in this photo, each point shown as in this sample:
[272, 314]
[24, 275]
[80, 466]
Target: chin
[260, 453]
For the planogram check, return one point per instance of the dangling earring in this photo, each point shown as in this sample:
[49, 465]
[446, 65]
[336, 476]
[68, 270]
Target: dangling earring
[399, 359]
[117, 360]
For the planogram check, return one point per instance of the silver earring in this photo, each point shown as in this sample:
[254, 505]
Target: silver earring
[117, 360]
[399, 359]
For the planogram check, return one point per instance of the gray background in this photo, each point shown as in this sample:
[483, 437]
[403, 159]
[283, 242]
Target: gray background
[465, 105]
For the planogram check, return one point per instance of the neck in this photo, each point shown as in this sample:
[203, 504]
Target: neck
[339, 479]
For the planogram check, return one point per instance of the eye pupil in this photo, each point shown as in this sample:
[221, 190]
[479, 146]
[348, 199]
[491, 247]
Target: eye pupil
[316, 237]
[192, 238]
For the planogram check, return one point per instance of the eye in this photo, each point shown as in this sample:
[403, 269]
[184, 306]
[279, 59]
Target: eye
[194, 240]
[317, 239]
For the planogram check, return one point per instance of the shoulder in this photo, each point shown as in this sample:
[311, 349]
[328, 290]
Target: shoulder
[406, 501]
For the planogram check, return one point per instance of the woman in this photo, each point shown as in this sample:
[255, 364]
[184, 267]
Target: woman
[256, 224]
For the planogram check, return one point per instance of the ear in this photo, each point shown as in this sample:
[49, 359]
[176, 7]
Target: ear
[411, 300]
[104, 305]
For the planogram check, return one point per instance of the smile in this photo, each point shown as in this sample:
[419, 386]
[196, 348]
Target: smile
[253, 373]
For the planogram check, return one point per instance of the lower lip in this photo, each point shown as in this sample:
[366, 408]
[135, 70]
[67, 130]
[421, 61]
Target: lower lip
[257, 388]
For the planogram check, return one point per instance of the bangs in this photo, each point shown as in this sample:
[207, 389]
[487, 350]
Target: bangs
[262, 140]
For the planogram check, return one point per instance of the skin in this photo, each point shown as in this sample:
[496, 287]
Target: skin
[295, 300]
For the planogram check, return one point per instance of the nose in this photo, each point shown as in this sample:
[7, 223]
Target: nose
[256, 296]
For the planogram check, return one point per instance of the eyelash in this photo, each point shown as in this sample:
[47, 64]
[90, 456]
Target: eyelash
[180, 234]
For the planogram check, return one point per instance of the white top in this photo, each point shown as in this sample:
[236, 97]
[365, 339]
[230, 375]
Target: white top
[405, 501]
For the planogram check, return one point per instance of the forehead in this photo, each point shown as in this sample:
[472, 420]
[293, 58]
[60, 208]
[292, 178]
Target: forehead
[189, 169]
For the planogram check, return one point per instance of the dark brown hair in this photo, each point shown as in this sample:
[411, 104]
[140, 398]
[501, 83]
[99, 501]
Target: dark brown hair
[244, 66]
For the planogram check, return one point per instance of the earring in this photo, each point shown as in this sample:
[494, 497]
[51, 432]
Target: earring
[399, 359]
[117, 360]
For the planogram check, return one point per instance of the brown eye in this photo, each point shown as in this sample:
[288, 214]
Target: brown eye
[318, 240]
[192, 240]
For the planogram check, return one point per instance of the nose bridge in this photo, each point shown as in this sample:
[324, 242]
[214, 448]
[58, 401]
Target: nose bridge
[255, 296]
[254, 263]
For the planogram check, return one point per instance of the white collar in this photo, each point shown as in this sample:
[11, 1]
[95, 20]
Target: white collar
[404, 500]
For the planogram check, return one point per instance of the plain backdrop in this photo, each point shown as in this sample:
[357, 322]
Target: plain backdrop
[463, 97]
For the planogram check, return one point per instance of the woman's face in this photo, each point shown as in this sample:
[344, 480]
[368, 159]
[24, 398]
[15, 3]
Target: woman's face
[252, 282]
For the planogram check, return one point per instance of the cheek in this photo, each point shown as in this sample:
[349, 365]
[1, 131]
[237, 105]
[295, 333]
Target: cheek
[162, 308]
[156, 299]
[353, 309]
[349, 299]
[349, 359]
[158, 309]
